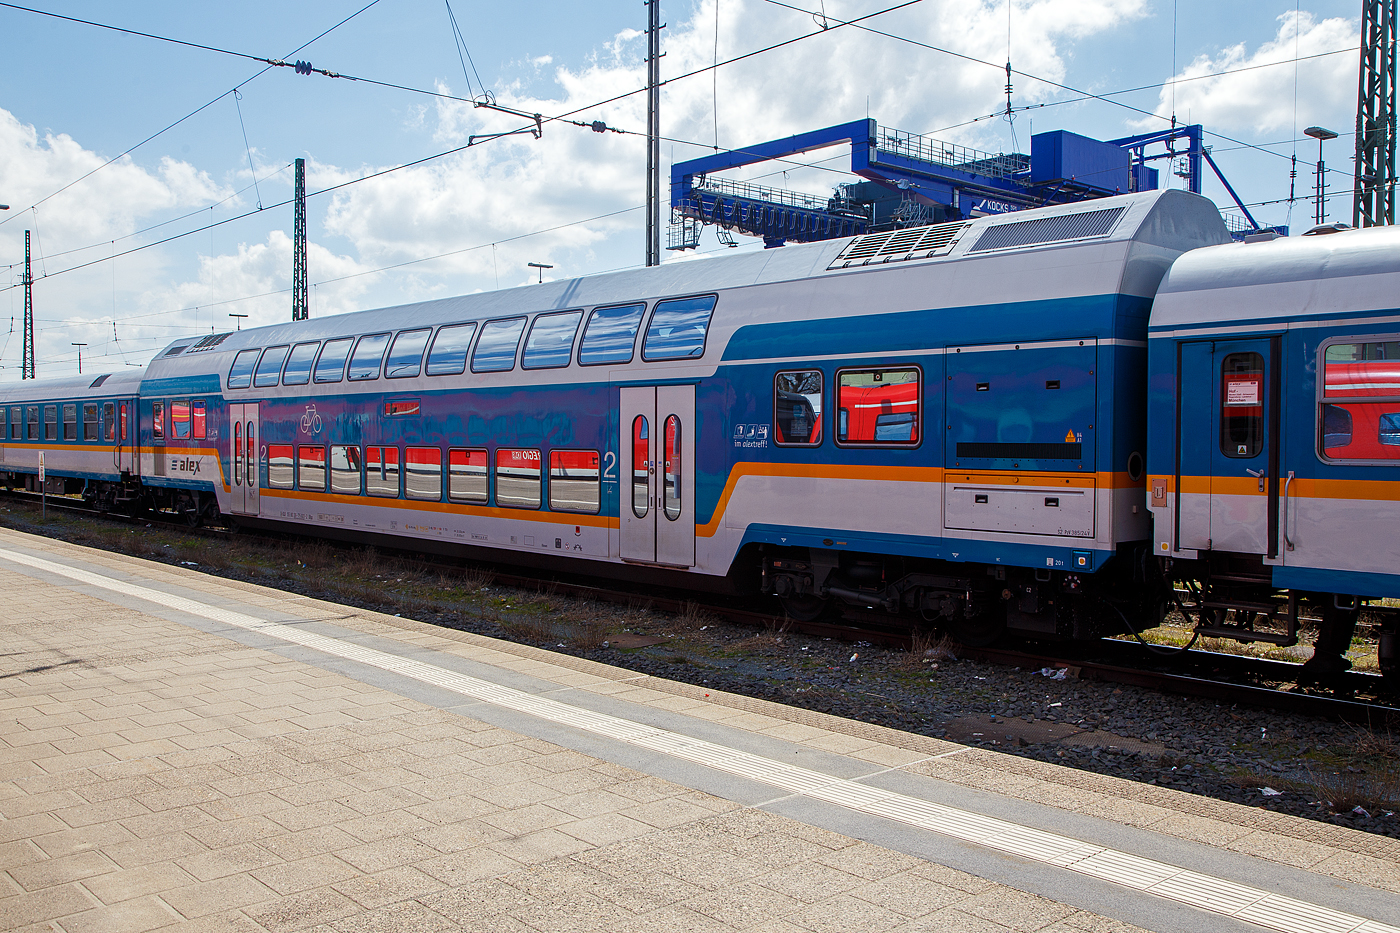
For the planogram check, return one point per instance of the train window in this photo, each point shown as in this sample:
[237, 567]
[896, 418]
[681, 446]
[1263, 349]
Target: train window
[201, 421]
[311, 468]
[270, 367]
[32, 432]
[70, 422]
[495, 351]
[158, 419]
[448, 356]
[297, 372]
[1360, 398]
[877, 406]
[16, 423]
[123, 420]
[330, 365]
[240, 374]
[610, 335]
[573, 481]
[1242, 405]
[671, 487]
[406, 355]
[91, 430]
[280, 471]
[382, 472]
[346, 471]
[180, 418]
[797, 408]
[641, 467]
[551, 340]
[517, 477]
[466, 475]
[677, 329]
[423, 476]
[369, 353]
[237, 453]
[109, 422]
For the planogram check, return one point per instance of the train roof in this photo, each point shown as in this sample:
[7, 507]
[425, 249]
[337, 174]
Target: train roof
[122, 384]
[1287, 278]
[1118, 245]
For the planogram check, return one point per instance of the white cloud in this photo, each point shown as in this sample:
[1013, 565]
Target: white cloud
[1262, 100]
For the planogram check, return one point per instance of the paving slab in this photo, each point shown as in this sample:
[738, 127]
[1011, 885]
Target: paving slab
[182, 752]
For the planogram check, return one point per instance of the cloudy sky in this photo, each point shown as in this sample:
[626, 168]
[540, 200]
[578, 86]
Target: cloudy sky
[110, 142]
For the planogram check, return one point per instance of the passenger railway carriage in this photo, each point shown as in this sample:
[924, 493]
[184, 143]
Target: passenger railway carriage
[948, 422]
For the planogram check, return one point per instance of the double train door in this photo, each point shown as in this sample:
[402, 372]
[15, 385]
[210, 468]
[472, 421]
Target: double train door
[245, 433]
[656, 502]
[120, 425]
[1228, 446]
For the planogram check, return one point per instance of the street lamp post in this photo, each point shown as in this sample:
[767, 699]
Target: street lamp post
[1320, 200]
[80, 356]
[240, 318]
[540, 266]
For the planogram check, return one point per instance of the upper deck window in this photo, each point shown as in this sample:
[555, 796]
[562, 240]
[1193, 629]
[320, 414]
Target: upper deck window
[610, 335]
[240, 374]
[495, 351]
[369, 354]
[448, 356]
[70, 422]
[551, 340]
[406, 356]
[180, 418]
[297, 372]
[330, 365]
[270, 367]
[677, 329]
[1359, 408]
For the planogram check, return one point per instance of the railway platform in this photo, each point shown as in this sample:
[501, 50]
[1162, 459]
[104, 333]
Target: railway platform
[182, 752]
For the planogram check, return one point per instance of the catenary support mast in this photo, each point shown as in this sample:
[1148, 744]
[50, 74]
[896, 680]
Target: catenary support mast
[1374, 188]
[27, 369]
[300, 308]
[653, 132]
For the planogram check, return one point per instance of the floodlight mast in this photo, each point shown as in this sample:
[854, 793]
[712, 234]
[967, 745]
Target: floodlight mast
[1321, 134]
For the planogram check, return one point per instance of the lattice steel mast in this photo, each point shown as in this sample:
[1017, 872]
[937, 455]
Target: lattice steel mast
[1374, 203]
[300, 305]
[654, 28]
[27, 369]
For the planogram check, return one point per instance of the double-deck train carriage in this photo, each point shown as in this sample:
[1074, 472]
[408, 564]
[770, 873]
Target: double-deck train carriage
[85, 425]
[987, 379]
[1275, 433]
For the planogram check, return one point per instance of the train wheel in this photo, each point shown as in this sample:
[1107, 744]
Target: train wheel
[981, 630]
[805, 608]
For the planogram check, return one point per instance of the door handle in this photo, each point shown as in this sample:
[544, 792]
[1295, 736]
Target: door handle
[1257, 473]
[1286, 483]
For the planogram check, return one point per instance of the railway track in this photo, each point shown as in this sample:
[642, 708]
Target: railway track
[1354, 697]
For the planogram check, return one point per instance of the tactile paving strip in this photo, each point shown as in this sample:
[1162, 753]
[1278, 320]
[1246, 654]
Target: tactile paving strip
[1216, 895]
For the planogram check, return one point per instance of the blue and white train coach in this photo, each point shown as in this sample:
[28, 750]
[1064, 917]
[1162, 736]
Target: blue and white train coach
[944, 422]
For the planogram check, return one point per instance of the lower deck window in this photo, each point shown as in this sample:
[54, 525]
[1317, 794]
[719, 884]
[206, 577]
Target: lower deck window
[797, 408]
[346, 464]
[382, 472]
[311, 468]
[423, 479]
[50, 422]
[518, 478]
[91, 431]
[280, 471]
[573, 481]
[466, 475]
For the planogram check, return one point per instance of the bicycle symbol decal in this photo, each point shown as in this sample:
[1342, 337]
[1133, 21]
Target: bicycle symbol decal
[311, 421]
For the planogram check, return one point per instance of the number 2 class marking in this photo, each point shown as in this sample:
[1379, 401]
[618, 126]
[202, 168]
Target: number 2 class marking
[609, 465]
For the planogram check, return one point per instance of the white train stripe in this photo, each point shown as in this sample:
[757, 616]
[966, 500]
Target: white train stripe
[1215, 895]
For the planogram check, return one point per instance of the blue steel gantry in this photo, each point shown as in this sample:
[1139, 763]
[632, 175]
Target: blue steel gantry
[914, 179]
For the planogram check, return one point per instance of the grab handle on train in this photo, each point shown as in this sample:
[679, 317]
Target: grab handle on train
[1286, 483]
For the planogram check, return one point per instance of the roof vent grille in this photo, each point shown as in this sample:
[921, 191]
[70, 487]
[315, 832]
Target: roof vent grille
[900, 245]
[1057, 228]
[176, 351]
[210, 342]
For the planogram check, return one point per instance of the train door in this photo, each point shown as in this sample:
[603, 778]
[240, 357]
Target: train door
[121, 432]
[243, 460]
[657, 499]
[1228, 446]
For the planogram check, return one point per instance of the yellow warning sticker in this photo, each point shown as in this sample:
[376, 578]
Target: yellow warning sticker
[1069, 437]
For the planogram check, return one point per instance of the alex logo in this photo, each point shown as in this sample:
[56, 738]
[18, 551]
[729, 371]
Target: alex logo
[184, 465]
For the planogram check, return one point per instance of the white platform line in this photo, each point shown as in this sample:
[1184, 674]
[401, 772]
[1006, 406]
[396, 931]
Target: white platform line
[1215, 895]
